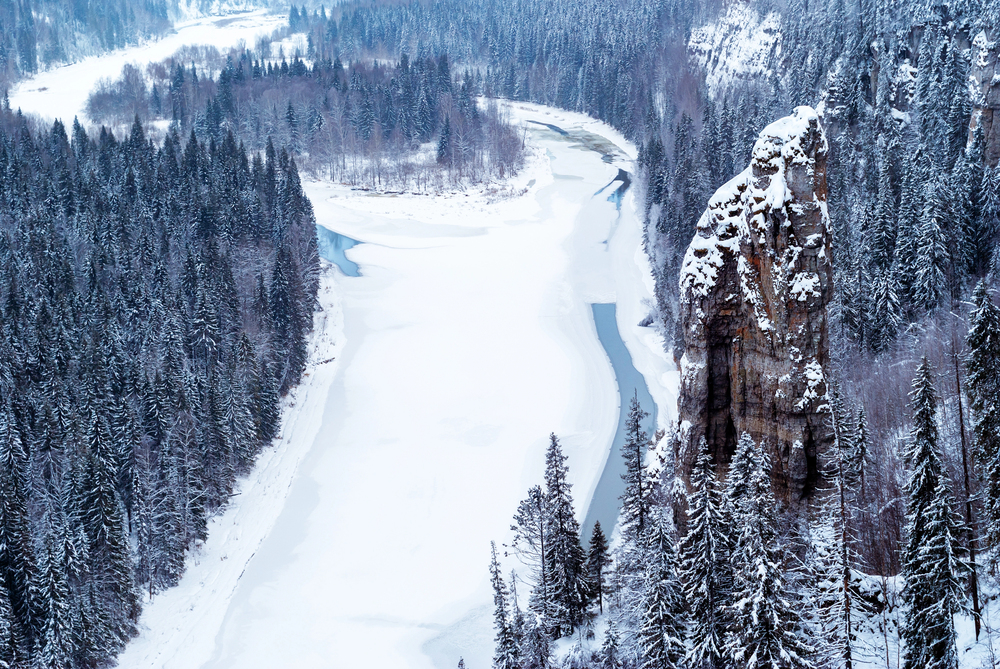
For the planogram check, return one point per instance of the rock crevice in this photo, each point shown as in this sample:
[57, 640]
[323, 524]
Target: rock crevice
[754, 287]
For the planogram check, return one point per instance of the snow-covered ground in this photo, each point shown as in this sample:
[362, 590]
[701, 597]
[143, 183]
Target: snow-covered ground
[62, 92]
[467, 340]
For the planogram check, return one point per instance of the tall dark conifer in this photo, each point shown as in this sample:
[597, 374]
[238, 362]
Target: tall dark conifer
[933, 592]
[705, 568]
[983, 365]
[569, 584]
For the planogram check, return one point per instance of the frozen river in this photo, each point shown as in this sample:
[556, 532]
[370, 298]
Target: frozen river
[435, 377]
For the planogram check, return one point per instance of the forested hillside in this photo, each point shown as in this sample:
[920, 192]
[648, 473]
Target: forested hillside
[155, 304]
[155, 300]
[38, 34]
[35, 34]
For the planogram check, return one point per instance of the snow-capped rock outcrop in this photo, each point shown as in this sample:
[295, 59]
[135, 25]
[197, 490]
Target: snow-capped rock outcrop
[754, 287]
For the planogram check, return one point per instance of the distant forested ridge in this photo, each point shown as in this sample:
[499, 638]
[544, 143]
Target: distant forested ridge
[154, 302]
[35, 34]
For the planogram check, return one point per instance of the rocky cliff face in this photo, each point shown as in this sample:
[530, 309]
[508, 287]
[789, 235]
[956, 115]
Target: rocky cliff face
[754, 288]
[984, 84]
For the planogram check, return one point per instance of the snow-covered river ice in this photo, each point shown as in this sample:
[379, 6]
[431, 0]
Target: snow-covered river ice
[436, 375]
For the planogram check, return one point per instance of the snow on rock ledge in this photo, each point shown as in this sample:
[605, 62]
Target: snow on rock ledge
[754, 287]
[740, 46]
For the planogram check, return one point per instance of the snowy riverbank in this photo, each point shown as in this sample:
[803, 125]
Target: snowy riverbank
[467, 339]
[62, 92]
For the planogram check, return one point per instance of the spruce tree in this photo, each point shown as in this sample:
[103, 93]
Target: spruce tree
[506, 654]
[661, 636]
[531, 543]
[766, 630]
[111, 559]
[598, 558]
[983, 365]
[704, 567]
[741, 468]
[610, 656]
[7, 642]
[444, 144]
[932, 590]
[636, 500]
[932, 255]
[569, 591]
[55, 644]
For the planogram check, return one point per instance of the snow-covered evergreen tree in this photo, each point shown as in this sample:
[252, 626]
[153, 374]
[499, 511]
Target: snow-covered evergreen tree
[983, 365]
[932, 258]
[636, 499]
[505, 655]
[661, 636]
[932, 569]
[831, 599]
[531, 543]
[610, 656]
[598, 559]
[741, 469]
[706, 572]
[766, 631]
[568, 587]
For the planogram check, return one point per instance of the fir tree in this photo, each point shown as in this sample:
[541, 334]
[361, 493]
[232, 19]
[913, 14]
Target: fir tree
[741, 469]
[766, 630]
[506, 654]
[7, 641]
[444, 144]
[662, 633]
[932, 588]
[636, 500]
[568, 587]
[610, 652]
[705, 569]
[932, 256]
[56, 637]
[598, 558]
[531, 542]
[983, 365]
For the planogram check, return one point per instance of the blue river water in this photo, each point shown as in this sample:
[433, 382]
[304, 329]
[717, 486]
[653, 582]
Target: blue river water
[605, 504]
[332, 246]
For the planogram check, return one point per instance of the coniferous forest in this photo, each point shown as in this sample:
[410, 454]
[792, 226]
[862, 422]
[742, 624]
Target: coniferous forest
[366, 124]
[155, 306]
[157, 288]
[43, 33]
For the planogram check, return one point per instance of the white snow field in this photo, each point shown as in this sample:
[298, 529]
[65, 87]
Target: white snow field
[62, 92]
[467, 340]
